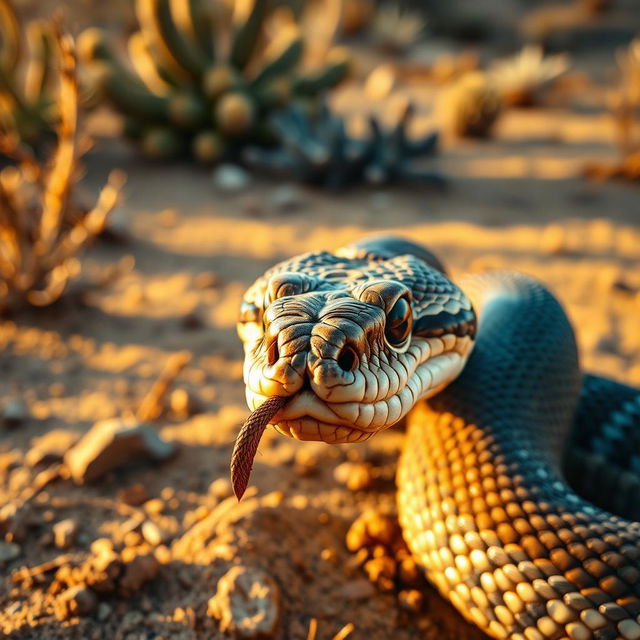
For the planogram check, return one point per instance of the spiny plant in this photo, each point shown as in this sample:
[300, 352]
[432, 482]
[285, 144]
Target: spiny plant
[521, 79]
[203, 82]
[317, 149]
[27, 100]
[470, 106]
[42, 230]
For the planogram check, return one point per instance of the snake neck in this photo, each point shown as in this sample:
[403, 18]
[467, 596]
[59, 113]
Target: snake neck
[482, 501]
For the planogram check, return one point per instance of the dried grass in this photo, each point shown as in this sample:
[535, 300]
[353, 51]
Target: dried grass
[42, 230]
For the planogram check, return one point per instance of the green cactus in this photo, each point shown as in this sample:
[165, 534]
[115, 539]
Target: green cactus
[27, 94]
[317, 149]
[202, 82]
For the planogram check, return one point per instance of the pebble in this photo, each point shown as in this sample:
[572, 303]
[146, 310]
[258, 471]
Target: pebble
[183, 404]
[104, 611]
[372, 528]
[65, 533]
[286, 198]
[360, 589]
[77, 601]
[382, 567]
[247, 603]
[14, 413]
[220, 488]
[411, 600]
[153, 534]
[141, 569]
[50, 447]
[8, 551]
[231, 178]
[111, 443]
[134, 495]
[356, 476]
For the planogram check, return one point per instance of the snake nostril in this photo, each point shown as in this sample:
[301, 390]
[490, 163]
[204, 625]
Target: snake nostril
[273, 354]
[348, 358]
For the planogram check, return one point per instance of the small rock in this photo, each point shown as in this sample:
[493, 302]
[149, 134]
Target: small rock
[8, 551]
[286, 198]
[110, 444]
[231, 178]
[78, 601]
[153, 534]
[183, 404]
[14, 412]
[356, 476]
[360, 589]
[104, 611]
[408, 572]
[411, 600]
[191, 321]
[141, 569]
[383, 567]
[134, 496]
[64, 533]
[220, 488]
[372, 528]
[51, 447]
[247, 603]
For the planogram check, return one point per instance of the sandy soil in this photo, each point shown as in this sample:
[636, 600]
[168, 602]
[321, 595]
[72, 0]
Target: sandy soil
[188, 251]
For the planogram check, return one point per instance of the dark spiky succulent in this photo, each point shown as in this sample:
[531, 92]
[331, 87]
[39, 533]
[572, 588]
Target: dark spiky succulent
[205, 82]
[317, 149]
[27, 80]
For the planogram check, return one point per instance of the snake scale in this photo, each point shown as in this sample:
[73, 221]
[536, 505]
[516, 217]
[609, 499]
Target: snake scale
[515, 462]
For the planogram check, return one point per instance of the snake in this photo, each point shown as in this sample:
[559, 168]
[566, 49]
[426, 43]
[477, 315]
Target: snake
[518, 486]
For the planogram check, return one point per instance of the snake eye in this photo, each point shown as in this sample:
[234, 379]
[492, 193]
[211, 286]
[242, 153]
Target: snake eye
[398, 324]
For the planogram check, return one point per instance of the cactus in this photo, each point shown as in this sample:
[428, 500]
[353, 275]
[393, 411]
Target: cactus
[41, 229]
[317, 150]
[470, 106]
[203, 84]
[521, 79]
[27, 104]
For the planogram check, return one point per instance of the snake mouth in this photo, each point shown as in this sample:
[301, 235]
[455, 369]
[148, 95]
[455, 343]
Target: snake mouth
[307, 416]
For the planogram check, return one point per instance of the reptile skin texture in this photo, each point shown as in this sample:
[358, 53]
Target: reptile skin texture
[519, 482]
[483, 501]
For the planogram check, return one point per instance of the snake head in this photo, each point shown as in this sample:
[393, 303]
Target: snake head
[354, 339]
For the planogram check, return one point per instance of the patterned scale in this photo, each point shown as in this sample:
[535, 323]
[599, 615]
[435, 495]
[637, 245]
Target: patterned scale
[483, 501]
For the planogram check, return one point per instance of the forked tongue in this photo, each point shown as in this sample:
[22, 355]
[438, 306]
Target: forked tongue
[244, 450]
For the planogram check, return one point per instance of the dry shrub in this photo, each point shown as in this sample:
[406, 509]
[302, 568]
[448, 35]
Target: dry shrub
[42, 230]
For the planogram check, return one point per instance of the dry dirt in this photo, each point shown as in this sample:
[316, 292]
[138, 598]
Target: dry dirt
[515, 202]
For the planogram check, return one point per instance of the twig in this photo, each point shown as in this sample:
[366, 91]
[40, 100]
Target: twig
[344, 632]
[152, 406]
[313, 628]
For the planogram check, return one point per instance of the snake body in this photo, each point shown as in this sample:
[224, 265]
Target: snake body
[503, 440]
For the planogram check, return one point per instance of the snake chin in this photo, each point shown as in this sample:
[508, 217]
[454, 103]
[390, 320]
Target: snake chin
[309, 417]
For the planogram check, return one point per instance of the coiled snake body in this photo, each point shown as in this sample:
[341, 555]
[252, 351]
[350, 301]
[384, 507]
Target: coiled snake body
[503, 440]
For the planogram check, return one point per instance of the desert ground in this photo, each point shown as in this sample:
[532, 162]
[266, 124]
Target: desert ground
[168, 279]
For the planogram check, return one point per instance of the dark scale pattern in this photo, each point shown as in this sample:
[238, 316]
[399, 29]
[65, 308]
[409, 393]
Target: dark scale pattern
[483, 502]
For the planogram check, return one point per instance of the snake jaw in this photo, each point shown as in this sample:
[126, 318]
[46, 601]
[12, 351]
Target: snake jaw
[431, 364]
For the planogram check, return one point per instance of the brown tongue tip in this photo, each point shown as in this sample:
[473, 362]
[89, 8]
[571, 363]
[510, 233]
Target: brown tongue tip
[244, 450]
